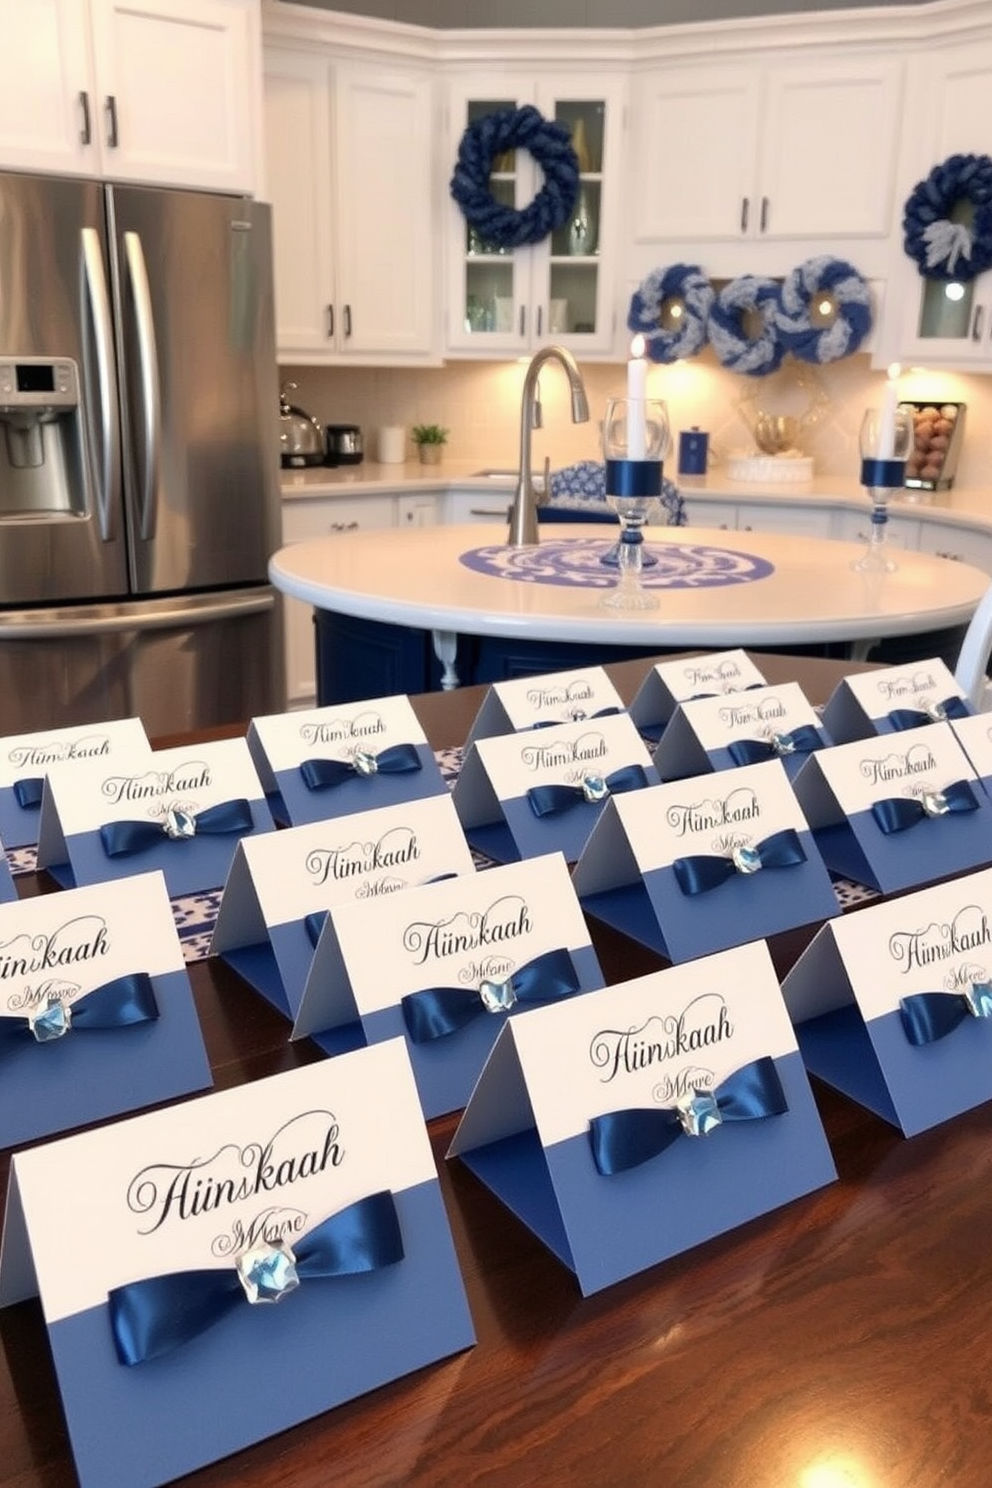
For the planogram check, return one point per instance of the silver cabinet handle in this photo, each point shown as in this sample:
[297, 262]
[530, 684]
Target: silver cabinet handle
[108, 478]
[540, 318]
[976, 323]
[330, 322]
[343, 527]
[151, 393]
[85, 133]
[347, 321]
[111, 107]
[764, 214]
[745, 212]
[523, 319]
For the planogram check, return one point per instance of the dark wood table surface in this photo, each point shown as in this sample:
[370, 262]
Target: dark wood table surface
[844, 1341]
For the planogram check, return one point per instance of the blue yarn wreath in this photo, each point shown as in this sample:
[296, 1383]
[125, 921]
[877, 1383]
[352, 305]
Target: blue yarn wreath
[944, 249]
[852, 300]
[756, 356]
[681, 281]
[551, 146]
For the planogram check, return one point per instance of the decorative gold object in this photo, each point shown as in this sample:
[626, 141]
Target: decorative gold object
[780, 409]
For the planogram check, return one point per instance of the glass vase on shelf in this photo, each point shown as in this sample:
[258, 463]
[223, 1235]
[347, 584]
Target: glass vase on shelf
[886, 439]
[635, 441]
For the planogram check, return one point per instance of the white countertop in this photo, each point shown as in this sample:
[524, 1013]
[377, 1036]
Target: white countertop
[417, 579]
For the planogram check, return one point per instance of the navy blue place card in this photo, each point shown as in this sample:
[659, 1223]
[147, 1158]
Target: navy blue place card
[699, 865]
[893, 1004]
[894, 699]
[670, 683]
[541, 791]
[181, 810]
[628, 1126]
[334, 761]
[96, 1009]
[537, 702]
[245, 1261]
[280, 888]
[445, 964]
[897, 810]
[742, 728]
[25, 760]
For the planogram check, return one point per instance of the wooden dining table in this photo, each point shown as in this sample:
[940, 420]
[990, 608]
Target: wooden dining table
[843, 1341]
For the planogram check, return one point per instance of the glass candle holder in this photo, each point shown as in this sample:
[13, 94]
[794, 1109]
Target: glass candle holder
[886, 439]
[635, 441]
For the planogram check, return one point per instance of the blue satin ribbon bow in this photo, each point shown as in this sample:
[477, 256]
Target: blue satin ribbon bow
[548, 800]
[314, 924]
[801, 740]
[897, 813]
[438, 1011]
[694, 875]
[124, 837]
[28, 791]
[322, 774]
[929, 1016]
[625, 1139]
[576, 716]
[910, 718]
[118, 1004]
[152, 1317]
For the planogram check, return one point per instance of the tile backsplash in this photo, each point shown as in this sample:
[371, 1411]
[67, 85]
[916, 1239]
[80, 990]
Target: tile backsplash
[479, 402]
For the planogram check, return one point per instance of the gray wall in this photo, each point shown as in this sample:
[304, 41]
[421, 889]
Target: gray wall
[575, 13]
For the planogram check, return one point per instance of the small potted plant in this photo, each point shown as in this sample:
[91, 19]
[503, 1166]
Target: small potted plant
[430, 440]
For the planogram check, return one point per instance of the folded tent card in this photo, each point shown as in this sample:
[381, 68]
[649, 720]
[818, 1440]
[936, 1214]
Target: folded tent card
[699, 865]
[281, 886]
[445, 964]
[181, 810]
[538, 702]
[741, 728]
[96, 1010]
[669, 683]
[25, 760]
[314, 1190]
[894, 699]
[897, 810]
[629, 1125]
[540, 791]
[893, 1004]
[335, 761]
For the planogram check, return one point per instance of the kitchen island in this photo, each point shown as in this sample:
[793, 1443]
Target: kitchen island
[446, 605]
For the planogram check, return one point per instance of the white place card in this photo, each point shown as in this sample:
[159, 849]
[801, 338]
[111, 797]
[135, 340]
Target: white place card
[335, 761]
[443, 965]
[96, 1009]
[181, 810]
[897, 810]
[576, 1125]
[554, 697]
[699, 865]
[281, 887]
[669, 683]
[893, 1004]
[894, 699]
[742, 728]
[521, 795]
[314, 1191]
[25, 760]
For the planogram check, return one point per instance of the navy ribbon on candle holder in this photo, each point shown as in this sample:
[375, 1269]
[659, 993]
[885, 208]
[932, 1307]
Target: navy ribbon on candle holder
[698, 874]
[154, 1316]
[899, 813]
[883, 474]
[929, 1016]
[549, 800]
[622, 1140]
[322, 774]
[802, 740]
[436, 1012]
[122, 838]
[634, 477]
[28, 791]
[910, 718]
[121, 1003]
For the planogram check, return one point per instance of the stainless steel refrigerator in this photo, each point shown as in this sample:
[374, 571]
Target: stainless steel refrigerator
[139, 485]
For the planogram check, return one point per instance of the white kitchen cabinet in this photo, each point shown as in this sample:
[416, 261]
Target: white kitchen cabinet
[955, 540]
[773, 154]
[160, 91]
[799, 518]
[855, 527]
[561, 289]
[478, 506]
[349, 171]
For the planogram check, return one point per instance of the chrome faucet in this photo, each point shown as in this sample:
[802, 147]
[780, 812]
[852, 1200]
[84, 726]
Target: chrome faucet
[523, 513]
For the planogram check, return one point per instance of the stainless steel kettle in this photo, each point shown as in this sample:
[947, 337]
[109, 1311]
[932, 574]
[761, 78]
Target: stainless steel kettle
[301, 438]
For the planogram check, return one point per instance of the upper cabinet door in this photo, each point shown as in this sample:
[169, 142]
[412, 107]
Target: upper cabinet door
[47, 100]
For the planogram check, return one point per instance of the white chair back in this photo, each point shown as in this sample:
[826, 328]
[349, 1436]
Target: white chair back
[973, 658]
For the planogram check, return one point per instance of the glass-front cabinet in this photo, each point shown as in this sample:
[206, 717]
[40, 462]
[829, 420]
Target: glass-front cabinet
[561, 289]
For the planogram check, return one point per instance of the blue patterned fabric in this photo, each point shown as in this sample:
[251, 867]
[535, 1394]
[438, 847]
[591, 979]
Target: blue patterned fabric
[581, 489]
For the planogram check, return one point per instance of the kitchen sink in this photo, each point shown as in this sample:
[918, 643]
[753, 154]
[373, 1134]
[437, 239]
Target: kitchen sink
[504, 474]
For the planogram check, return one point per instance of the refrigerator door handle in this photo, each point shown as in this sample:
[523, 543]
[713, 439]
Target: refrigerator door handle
[151, 393]
[30, 625]
[109, 475]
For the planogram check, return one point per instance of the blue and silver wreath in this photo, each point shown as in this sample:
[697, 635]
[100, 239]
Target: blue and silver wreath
[942, 248]
[815, 280]
[681, 282]
[551, 146]
[747, 299]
